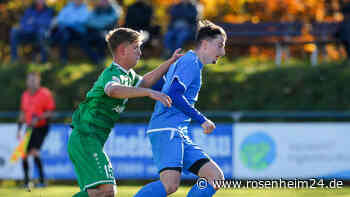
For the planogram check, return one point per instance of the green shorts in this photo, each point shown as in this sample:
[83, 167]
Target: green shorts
[91, 164]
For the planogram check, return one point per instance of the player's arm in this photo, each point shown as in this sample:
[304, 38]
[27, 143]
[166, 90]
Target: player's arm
[49, 107]
[115, 90]
[45, 115]
[159, 85]
[152, 77]
[176, 93]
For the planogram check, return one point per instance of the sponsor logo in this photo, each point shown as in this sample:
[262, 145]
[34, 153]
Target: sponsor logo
[257, 151]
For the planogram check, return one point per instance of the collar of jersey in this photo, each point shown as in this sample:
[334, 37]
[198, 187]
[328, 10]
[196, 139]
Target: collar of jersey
[121, 68]
[200, 64]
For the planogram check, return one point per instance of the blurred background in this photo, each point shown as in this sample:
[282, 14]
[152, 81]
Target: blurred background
[279, 97]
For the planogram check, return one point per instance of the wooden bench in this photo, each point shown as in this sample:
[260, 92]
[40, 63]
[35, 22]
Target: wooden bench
[323, 33]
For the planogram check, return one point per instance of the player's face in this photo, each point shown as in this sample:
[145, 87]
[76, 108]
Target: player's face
[133, 53]
[33, 82]
[215, 48]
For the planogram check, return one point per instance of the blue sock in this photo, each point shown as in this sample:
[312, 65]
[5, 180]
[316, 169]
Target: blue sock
[207, 191]
[152, 189]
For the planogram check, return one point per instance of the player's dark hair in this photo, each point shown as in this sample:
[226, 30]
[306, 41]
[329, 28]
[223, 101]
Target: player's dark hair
[208, 30]
[118, 36]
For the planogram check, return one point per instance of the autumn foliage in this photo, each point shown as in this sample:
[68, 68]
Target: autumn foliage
[234, 11]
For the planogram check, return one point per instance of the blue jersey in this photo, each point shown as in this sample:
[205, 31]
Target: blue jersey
[187, 70]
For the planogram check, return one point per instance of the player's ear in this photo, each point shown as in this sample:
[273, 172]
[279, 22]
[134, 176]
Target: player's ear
[204, 44]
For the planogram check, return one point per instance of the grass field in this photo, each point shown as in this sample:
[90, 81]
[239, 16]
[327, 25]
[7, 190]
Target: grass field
[126, 191]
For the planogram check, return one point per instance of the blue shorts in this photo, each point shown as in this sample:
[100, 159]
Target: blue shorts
[172, 149]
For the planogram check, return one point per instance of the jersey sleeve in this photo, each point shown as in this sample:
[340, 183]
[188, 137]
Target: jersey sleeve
[159, 85]
[137, 80]
[186, 71]
[23, 102]
[176, 93]
[50, 104]
[107, 79]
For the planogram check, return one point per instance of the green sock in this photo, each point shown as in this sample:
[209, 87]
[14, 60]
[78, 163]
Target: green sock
[81, 194]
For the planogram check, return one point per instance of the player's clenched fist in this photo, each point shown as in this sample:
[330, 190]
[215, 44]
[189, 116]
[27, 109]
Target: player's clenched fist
[208, 126]
[159, 96]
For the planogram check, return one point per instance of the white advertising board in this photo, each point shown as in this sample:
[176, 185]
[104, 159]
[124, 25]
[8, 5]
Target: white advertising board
[291, 150]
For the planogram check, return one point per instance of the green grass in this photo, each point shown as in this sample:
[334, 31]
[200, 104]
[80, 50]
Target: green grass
[126, 191]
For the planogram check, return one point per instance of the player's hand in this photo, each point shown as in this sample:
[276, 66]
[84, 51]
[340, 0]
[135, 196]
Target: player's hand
[208, 126]
[176, 55]
[35, 121]
[159, 96]
[19, 135]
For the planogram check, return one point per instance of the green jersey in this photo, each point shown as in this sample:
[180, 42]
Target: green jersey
[99, 110]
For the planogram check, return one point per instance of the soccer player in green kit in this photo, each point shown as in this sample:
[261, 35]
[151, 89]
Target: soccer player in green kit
[96, 115]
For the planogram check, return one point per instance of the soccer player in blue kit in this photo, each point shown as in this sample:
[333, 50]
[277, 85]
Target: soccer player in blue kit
[173, 150]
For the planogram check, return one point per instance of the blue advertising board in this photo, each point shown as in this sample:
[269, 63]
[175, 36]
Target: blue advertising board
[130, 151]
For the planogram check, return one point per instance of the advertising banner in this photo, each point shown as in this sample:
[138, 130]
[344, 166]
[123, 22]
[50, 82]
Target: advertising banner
[291, 150]
[128, 148]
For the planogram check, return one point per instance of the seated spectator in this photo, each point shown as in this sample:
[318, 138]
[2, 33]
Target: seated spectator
[183, 23]
[102, 18]
[71, 26]
[33, 28]
[134, 21]
[343, 31]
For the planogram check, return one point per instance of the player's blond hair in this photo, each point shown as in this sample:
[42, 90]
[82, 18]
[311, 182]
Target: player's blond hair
[116, 37]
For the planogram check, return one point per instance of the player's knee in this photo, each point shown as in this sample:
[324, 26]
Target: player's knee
[103, 191]
[211, 171]
[109, 193]
[219, 175]
[34, 152]
[171, 187]
[171, 180]
[215, 175]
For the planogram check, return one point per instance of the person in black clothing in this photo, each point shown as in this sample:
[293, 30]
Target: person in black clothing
[343, 32]
[134, 21]
[33, 28]
[133, 13]
[101, 19]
